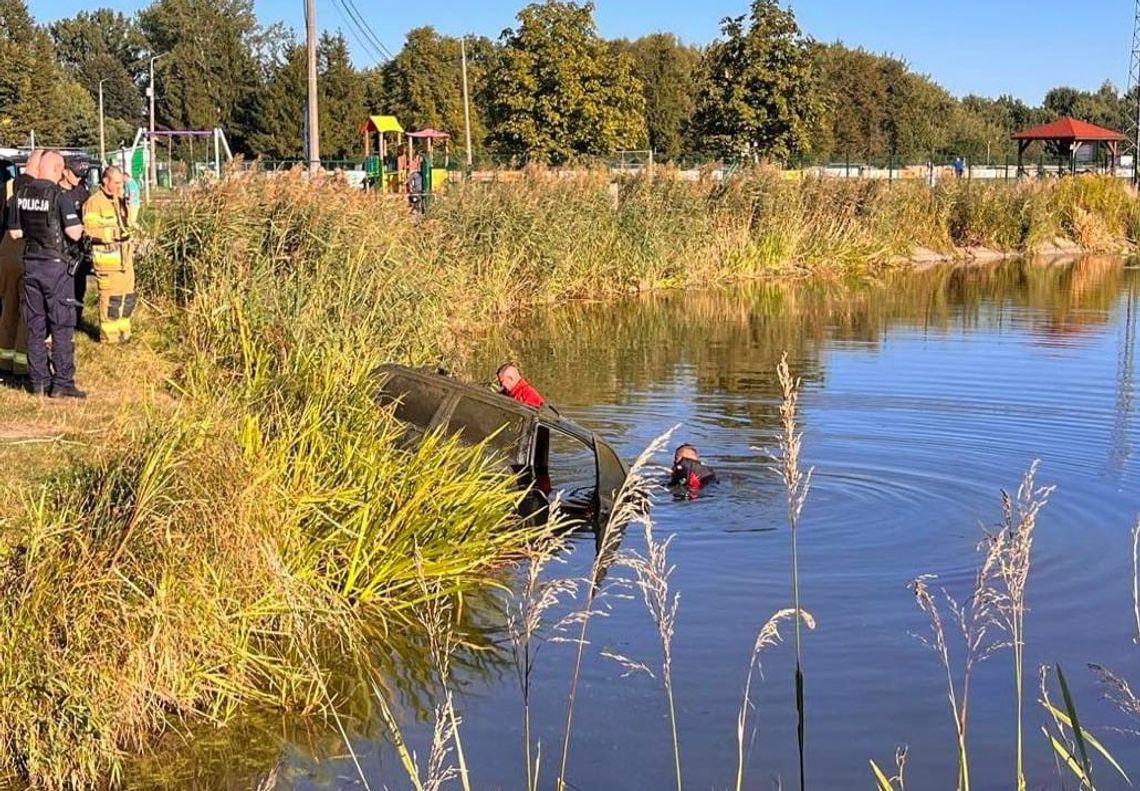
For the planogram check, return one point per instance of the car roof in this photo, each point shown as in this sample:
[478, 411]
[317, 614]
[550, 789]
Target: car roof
[548, 414]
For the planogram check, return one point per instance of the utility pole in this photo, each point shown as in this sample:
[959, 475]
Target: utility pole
[152, 166]
[1133, 142]
[466, 102]
[314, 152]
[102, 133]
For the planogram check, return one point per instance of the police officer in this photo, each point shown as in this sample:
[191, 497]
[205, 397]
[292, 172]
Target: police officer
[74, 182]
[13, 330]
[45, 217]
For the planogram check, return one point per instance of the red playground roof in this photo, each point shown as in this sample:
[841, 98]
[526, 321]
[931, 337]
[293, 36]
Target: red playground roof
[1068, 129]
[429, 134]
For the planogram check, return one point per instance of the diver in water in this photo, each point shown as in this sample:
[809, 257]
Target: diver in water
[689, 473]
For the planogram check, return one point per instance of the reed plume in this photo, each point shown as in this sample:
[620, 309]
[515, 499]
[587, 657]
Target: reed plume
[797, 484]
[631, 504]
[528, 629]
[1011, 546]
[767, 637]
[652, 571]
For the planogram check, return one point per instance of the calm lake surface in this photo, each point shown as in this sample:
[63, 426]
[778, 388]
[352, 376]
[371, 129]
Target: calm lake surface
[924, 395]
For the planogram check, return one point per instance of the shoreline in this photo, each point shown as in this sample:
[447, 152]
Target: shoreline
[1056, 250]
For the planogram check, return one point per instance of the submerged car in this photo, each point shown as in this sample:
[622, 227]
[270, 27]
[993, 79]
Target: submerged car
[549, 454]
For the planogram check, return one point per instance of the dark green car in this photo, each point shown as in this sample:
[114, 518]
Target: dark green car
[550, 454]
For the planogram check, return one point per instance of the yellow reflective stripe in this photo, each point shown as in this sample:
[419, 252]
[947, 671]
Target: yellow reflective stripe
[111, 329]
[20, 358]
[7, 354]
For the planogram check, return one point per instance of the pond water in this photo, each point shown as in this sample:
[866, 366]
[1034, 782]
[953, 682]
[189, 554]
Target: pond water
[924, 395]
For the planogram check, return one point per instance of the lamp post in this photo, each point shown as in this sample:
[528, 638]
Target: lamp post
[102, 132]
[151, 170]
[466, 104]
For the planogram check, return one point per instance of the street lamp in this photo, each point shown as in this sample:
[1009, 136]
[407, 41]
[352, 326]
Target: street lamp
[102, 133]
[151, 170]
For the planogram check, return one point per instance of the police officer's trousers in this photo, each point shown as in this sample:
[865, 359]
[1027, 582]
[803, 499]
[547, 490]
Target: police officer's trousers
[81, 287]
[13, 330]
[49, 309]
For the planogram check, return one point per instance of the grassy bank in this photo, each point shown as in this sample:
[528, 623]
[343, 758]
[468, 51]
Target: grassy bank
[229, 519]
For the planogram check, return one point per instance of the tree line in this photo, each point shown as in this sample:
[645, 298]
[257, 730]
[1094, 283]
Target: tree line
[550, 89]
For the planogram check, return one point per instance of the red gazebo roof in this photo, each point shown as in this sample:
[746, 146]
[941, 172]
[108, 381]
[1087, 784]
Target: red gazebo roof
[1068, 129]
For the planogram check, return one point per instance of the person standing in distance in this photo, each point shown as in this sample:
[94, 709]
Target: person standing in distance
[13, 330]
[132, 197]
[44, 217]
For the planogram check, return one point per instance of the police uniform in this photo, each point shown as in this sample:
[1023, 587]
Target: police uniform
[42, 212]
[80, 251]
[13, 330]
[106, 222]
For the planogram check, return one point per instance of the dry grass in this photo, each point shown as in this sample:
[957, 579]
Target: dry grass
[652, 571]
[767, 637]
[124, 384]
[630, 506]
[1011, 549]
[797, 484]
[529, 629]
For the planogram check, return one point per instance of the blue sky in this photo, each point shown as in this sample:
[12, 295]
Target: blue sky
[989, 47]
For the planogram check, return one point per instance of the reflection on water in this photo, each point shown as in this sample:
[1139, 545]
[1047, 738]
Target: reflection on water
[924, 394]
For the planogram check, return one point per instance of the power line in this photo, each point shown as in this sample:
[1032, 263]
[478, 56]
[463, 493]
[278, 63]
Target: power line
[369, 49]
[371, 33]
[367, 37]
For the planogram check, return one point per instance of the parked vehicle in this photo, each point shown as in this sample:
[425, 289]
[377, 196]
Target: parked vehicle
[540, 446]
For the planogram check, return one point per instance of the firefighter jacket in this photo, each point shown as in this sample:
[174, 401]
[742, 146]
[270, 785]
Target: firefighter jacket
[105, 222]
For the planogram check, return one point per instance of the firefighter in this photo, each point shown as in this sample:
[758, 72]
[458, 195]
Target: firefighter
[13, 330]
[44, 216]
[106, 222]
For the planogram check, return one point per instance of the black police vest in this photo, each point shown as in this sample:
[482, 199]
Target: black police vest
[38, 204]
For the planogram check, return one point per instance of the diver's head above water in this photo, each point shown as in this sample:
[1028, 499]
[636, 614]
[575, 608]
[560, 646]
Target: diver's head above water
[688, 469]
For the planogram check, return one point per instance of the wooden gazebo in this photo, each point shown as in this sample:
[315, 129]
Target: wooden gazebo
[1068, 135]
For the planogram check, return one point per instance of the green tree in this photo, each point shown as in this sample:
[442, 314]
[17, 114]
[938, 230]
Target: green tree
[208, 71]
[917, 114]
[1104, 107]
[759, 98]
[666, 69]
[341, 99]
[854, 96]
[423, 85]
[557, 94]
[275, 116]
[104, 45]
[35, 94]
